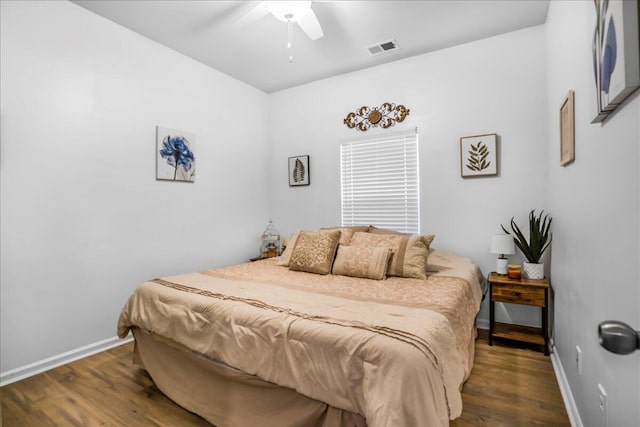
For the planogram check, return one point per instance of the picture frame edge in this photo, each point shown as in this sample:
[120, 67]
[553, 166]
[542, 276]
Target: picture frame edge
[308, 170]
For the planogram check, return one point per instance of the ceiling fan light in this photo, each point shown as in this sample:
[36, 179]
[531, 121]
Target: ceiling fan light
[289, 10]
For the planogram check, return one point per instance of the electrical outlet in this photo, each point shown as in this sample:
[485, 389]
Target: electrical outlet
[579, 360]
[602, 402]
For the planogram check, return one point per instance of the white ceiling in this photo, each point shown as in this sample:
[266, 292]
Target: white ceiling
[209, 32]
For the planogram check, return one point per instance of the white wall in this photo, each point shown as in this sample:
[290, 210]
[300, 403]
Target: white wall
[495, 85]
[596, 206]
[83, 219]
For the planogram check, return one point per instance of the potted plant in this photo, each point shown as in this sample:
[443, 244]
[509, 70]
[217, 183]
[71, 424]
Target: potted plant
[539, 241]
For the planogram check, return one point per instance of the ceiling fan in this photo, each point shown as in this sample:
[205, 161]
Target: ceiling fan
[299, 12]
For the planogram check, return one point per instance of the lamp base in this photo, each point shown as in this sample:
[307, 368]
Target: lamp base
[501, 266]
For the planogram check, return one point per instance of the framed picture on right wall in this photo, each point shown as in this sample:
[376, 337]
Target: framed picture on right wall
[616, 54]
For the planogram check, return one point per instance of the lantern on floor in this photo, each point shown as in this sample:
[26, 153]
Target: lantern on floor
[270, 241]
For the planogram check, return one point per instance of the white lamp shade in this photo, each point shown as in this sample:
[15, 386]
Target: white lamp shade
[502, 244]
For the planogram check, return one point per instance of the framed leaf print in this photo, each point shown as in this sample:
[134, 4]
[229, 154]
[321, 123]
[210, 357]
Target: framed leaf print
[479, 155]
[299, 171]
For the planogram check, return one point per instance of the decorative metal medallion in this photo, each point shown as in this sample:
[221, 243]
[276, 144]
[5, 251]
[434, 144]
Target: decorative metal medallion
[384, 116]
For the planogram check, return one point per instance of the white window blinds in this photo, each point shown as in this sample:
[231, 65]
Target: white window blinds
[380, 182]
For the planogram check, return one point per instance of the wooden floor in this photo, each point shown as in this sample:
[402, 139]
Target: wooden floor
[511, 386]
[508, 387]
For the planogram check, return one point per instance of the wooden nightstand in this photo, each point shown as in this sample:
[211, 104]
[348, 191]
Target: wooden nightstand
[519, 291]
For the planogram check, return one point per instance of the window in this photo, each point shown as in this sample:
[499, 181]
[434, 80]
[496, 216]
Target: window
[380, 182]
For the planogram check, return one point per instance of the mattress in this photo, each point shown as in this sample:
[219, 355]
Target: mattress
[394, 351]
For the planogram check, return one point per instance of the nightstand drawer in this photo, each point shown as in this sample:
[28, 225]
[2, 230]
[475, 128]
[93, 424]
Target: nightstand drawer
[519, 295]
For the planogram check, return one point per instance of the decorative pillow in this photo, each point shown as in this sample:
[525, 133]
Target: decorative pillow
[314, 251]
[430, 269]
[357, 228]
[370, 263]
[375, 230]
[409, 258]
[285, 258]
[347, 232]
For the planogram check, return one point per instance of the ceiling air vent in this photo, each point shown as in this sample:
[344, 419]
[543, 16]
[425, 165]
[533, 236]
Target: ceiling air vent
[382, 47]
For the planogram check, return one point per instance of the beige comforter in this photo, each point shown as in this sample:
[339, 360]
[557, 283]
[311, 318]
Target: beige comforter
[394, 351]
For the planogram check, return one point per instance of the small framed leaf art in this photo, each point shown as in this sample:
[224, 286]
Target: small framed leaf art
[299, 171]
[479, 155]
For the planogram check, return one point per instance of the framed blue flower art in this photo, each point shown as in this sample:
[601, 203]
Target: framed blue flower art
[175, 155]
[616, 54]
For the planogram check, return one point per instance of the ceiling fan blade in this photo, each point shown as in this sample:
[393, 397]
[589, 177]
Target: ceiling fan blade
[311, 26]
[219, 20]
[252, 15]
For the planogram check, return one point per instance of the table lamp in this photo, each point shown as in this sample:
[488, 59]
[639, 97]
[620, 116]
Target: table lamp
[502, 244]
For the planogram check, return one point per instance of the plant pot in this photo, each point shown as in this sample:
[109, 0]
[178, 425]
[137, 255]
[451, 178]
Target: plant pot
[533, 270]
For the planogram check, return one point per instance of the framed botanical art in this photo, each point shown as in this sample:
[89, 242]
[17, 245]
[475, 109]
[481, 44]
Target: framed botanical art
[175, 158]
[479, 155]
[567, 130]
[299, 171]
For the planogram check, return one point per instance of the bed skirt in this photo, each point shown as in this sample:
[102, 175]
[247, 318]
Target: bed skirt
[227, 397]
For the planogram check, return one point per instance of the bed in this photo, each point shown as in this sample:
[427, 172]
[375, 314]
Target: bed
[264, 344]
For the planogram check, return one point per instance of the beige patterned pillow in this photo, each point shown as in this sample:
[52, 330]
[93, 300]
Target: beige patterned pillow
[314, 251]
[369, 263]
[347, 232]
[410, 253]
[345, 238]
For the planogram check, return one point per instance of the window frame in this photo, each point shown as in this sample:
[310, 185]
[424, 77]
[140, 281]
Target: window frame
[363, 164]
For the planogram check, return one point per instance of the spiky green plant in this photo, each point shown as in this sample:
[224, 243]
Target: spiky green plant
[539, 236]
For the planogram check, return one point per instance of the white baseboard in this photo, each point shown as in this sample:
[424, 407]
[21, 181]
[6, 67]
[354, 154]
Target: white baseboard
[40, 366]
[565, 389]
[482, 324]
